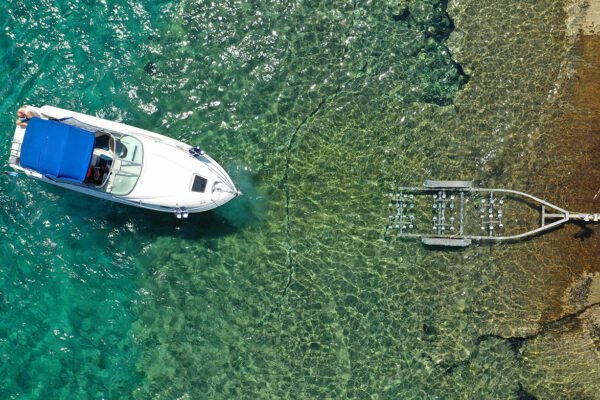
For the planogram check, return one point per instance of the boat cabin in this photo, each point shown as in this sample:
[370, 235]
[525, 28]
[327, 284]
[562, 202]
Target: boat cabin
[82, 155]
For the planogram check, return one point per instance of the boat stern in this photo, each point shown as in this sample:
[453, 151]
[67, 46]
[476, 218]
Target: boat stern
[15, 147]
[14, 160]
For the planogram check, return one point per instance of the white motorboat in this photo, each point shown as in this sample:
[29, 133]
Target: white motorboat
[118, 162]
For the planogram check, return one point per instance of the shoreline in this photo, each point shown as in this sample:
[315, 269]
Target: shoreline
[571, 177]
[574, 173]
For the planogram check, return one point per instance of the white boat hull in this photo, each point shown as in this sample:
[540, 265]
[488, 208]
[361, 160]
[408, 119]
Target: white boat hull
[167, 171]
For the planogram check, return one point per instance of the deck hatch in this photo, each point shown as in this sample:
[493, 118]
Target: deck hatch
[199, 184]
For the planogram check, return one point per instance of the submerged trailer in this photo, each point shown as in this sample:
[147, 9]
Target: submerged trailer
[456, 214]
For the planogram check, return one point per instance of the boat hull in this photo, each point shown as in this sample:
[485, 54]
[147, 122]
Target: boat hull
[167, 172]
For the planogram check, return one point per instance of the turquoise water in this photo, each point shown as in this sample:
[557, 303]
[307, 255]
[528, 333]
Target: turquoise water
[315, 109]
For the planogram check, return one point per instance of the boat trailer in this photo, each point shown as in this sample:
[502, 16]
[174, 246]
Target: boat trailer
[455, 214]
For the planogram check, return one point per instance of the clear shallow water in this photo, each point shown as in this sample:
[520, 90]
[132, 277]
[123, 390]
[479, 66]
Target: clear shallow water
[315, 109]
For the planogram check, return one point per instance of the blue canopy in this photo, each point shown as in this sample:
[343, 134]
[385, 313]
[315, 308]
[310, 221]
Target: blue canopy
[57, 150]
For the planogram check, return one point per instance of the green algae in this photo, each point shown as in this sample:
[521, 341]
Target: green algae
[335, 312]
[316, 109]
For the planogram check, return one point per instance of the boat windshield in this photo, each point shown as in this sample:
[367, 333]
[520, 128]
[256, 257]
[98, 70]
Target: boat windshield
[127, 166]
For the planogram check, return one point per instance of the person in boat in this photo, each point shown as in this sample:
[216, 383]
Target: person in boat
[23, 116]
[95, 175]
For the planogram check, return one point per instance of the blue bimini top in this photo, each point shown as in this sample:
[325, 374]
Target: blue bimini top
[57, 150]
